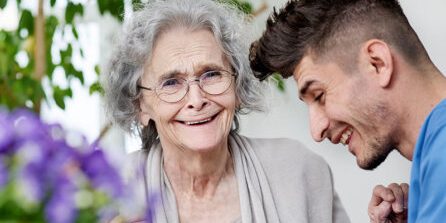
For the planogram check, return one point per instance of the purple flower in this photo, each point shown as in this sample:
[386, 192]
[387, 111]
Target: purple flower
[55, 170]
[63, 161]
[61, 207]
[153, 201]
[3, 174]
[32, 187]
[27, 125]
[6, 133]
[101, 173]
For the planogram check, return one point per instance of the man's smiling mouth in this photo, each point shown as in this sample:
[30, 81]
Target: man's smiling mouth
[346, 135]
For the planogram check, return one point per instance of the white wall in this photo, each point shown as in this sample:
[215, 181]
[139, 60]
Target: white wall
[287, 116]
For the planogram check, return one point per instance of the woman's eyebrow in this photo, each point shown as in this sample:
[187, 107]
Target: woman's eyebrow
[208, 67]
[200, 69]
[169, 74]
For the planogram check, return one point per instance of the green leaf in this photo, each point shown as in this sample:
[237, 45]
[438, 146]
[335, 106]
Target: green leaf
[51, 23]
[102, 5]
[52, 3]
[137, 4]
[71, 10]
[35, 91]
[26, 22]
[58, 95]
[4, 56]
[69, 13]
[3, 3]
[68, 93]
[3, 64]
[74, 30]
[79, 75]
[96, 88]
[244, 6]
[118, 9]
[97, 69]
[71, 71]
[65, 55]
[19, 92]
[114, 7]
[87, 215]
[50, 67]
[278, 81]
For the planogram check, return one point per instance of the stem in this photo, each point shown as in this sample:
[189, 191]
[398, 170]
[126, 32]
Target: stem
[39, 53]
[104, 131]
[263, 7]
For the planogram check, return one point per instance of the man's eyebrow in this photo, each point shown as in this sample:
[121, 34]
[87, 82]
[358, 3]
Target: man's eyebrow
[304, 88]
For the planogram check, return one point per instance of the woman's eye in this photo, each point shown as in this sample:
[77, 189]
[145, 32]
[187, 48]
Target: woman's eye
[170, 82]
[211, 75]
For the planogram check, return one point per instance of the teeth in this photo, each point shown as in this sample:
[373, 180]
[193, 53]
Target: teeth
[198, 122]
[346, 135]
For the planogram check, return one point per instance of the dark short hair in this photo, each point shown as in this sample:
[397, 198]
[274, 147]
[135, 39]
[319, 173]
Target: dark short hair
[331, 29]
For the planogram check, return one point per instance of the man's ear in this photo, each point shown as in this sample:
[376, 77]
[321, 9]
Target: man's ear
[380, 60]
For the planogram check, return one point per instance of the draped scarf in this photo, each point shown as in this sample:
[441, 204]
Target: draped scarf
[256, 199]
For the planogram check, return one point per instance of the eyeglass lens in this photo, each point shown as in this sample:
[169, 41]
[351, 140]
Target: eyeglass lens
[211, 82]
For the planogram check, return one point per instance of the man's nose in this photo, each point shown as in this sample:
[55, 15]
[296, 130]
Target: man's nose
[319, 123]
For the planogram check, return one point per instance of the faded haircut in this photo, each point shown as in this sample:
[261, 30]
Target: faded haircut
[331, 30]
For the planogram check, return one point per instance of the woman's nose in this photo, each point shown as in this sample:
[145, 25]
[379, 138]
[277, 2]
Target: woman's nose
[196, 98]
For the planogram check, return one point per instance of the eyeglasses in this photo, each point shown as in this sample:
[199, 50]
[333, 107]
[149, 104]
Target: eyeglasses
[174, 89]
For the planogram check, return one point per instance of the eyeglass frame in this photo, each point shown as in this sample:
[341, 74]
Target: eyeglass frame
[188, 82]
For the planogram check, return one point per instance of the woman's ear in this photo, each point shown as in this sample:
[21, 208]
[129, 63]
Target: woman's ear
[379, 59]
[237, 102]
[143, 115]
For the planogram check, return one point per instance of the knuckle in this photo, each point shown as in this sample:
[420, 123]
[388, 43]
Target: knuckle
[393, 185]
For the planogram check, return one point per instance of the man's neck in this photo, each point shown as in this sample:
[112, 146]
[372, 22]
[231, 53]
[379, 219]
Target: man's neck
[420, 97]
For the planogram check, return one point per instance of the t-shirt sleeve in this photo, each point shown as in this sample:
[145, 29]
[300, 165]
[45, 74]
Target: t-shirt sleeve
[432, 200]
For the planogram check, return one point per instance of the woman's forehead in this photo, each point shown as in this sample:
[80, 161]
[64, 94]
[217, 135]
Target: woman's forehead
[186, 51]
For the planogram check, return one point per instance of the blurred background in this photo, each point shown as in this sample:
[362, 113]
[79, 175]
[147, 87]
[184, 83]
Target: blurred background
[77, 36]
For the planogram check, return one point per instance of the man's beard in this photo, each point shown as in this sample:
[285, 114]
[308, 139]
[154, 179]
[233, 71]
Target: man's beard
[377, 152]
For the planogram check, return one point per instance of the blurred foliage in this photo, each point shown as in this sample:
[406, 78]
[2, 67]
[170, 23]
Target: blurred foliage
[18, 85]
[278, 81]
[244, 6]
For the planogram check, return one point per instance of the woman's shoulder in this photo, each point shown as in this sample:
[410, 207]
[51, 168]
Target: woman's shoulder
[288, 160]
[132, 164]
[283, 150]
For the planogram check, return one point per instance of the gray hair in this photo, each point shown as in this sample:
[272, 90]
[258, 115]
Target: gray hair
[125, 69]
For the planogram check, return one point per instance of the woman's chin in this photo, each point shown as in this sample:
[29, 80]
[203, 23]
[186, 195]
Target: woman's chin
[201, 147]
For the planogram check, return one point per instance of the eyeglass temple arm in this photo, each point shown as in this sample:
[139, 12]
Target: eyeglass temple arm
[145, 88]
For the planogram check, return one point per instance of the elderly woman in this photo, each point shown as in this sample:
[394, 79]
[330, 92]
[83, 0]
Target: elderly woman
[181, 76]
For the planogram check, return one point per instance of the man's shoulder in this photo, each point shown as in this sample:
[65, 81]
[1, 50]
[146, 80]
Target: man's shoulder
[435, 123]
[438, 114]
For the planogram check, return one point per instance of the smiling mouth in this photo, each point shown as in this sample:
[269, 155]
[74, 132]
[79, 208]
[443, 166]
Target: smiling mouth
[346, 136]
[199, 122]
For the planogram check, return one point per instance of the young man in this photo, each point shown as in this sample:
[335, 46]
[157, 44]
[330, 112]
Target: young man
[370, 85]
